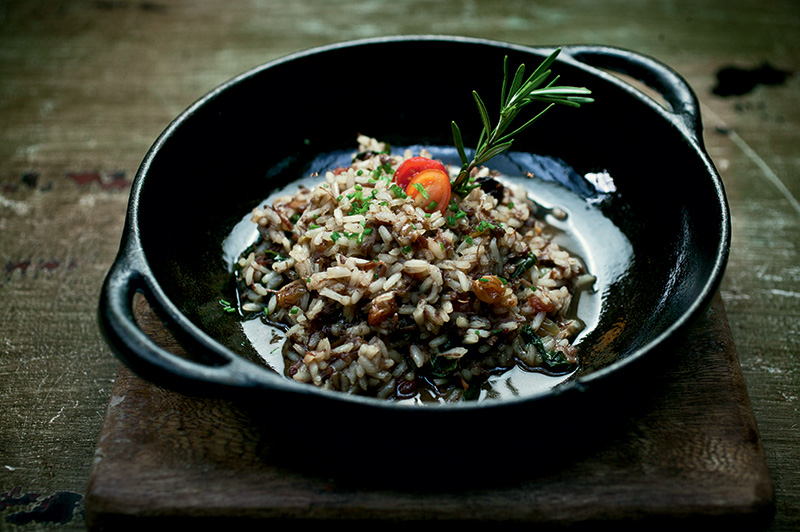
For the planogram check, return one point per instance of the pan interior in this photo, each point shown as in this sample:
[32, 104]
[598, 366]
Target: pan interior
[271, 127]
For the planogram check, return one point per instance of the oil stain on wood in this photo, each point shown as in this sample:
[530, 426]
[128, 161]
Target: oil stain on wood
[737, 81]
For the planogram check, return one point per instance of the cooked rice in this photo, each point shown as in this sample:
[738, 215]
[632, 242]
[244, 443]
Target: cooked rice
[379, 297]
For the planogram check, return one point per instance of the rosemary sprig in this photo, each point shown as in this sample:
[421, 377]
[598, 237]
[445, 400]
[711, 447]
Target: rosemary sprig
[514, 97]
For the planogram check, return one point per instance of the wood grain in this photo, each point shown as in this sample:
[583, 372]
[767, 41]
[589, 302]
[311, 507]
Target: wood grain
[690, 454]
[86, 86]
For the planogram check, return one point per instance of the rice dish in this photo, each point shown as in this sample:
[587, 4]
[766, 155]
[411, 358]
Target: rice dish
[378, 296]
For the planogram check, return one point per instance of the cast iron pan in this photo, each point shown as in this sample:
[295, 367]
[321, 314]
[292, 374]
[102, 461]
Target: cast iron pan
[269, 126]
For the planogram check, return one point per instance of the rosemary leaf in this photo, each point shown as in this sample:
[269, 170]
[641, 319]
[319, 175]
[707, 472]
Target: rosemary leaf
[459, 143]
[514, 97]
[487, 126]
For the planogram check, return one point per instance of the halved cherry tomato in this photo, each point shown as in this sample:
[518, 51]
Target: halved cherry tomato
[430, 190]
[411, 167]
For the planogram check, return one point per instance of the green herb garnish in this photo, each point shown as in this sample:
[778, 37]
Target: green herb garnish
[514, 97]
[276, 257]
[421, 189]
[442, 366]
[398, 192]
[555, 360]
[226, 306]
[526, 263]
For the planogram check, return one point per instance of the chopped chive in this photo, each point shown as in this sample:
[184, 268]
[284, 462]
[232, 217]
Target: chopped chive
[367, 230]
[427, 215]
[360, 172]
[503, 280]
[421, 189]
[432, 206]
[406, 249]
[398, 192]
[451, 220]
[226, 306]
[468, 240]
[335, 236]
[460, 214]
[314, 226]
[294, 310]
[510, 204]
[339, 198]
[483, 280]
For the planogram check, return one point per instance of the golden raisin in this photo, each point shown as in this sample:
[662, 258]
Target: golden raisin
[489, 289]
[289, 295]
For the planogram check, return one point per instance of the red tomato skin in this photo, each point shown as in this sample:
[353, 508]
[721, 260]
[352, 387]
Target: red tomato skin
[411, 167]
[437, 186]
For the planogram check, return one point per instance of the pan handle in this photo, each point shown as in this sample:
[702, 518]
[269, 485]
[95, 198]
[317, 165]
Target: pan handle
[128, 275]
[655, 74]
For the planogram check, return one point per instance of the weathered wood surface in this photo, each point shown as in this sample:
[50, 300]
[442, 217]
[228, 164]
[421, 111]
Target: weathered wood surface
[86, 86]
[688, 455]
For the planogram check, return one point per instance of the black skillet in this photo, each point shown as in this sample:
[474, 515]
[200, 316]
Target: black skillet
[269, 126]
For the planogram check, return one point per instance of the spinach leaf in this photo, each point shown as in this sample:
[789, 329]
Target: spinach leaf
[555, 360]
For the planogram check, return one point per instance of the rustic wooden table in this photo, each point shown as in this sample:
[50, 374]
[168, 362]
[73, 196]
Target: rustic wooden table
[86, 86]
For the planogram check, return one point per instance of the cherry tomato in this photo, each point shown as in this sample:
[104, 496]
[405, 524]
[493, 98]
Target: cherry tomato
[411, 167]
[430, 189]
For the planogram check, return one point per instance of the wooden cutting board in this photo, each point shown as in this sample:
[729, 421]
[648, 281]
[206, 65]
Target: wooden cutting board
[689, 458]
